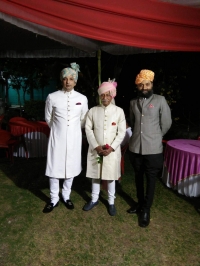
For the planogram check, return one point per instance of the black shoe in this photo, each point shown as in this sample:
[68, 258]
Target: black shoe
[135, 209]
[144, 218]
[112, 210]
[88, 206]
[49, 207]
[69, 205]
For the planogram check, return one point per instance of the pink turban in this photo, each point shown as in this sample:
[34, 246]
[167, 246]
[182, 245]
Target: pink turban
[108, 86]
[144, 74]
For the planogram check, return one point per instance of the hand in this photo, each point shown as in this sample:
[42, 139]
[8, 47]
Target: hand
[106, 152]
[99, 150]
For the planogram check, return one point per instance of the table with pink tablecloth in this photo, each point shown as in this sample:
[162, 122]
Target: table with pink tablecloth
[182, 166]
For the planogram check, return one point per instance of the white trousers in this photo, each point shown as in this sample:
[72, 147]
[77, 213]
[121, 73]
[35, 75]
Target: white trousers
[54, 189]
[96, 190]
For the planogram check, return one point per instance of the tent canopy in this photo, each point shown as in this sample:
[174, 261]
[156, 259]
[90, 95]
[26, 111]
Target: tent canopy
[117, 27]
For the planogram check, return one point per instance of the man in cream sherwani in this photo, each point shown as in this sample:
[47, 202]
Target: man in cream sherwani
[150, 118]
[65, 113]
[105, 124]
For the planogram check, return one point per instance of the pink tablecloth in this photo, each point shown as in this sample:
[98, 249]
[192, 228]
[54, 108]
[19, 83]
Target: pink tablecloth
[181, 169]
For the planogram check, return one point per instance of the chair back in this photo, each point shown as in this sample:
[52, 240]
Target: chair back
[123, 151]
[8, 143]
[1, 119]
[17, 118]
[5, 136]
[124, 148]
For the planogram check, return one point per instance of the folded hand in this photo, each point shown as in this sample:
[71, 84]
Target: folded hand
[99, 150]
[106, 152]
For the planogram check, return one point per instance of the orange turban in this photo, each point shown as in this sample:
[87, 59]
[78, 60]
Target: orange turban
[144, 74]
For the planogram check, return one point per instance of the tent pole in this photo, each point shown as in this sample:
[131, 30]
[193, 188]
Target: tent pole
[99, 66]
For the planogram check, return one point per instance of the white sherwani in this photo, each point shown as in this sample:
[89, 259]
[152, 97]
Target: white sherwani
[105, 125]
[65, 113]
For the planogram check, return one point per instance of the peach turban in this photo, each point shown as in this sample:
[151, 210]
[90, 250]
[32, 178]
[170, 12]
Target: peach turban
[110, 86]
[144, 74]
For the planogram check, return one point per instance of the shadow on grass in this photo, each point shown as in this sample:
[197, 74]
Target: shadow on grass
[194, 201]
[129, 200]
[82, 185]
[27, 174]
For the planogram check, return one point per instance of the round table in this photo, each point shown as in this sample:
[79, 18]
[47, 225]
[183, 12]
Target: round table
[182, 166]
[34, 137]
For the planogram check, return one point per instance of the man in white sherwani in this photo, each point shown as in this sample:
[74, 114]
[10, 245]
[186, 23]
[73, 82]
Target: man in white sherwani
[65, 113]
[105, 129]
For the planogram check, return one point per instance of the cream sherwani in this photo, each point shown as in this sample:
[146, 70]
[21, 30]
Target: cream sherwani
[65, 112]
[105, 125]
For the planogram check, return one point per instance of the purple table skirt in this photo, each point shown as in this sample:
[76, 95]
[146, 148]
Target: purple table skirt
[182, 159]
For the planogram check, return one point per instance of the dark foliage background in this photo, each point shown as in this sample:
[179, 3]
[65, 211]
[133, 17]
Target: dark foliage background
[176, 77]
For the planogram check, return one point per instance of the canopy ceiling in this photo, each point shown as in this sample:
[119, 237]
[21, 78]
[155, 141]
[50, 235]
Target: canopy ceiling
[77, 28]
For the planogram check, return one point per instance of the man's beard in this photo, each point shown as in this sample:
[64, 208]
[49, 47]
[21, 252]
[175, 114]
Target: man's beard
[147, 95]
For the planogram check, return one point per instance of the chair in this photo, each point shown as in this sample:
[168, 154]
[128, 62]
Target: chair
[123, 151]
[7, 142]
[20, 138]
[17, 118]
[1, 119]
[164, 141]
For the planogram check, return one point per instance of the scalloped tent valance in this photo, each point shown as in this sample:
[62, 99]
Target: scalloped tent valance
[117, 27]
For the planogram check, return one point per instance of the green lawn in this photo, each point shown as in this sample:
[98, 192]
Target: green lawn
[64, 237]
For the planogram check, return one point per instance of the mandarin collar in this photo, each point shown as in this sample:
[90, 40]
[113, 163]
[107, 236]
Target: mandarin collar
[106, 107]
[68, 92]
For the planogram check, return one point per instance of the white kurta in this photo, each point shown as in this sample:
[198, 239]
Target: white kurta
[105, 125]
[65, 113]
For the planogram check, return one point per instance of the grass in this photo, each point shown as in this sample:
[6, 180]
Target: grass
[78, 238]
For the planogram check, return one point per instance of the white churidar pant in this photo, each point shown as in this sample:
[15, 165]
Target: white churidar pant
[96, 190]
[54, 189]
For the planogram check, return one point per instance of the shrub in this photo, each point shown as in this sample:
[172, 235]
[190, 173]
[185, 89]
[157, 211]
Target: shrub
[34, 109]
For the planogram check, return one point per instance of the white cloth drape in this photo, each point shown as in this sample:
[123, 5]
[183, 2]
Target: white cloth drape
[189, 187]
[36, 143]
